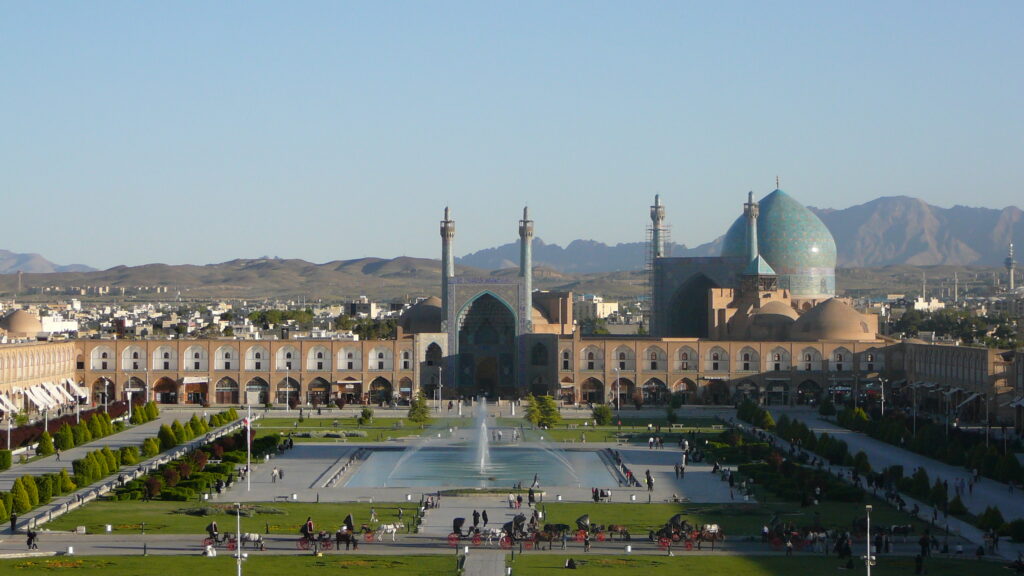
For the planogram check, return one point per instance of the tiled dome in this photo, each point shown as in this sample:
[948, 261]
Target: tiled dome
[793, 241]
[424, 317]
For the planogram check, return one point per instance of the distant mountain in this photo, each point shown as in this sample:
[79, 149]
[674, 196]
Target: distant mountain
[11, 263]
[579, 257]
[887, 231]
[899, 230]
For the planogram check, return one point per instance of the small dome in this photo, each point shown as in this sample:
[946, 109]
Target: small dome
[771, 321]
[21, 324]
[831, 320]
[794, 241]
[424, 317]
[539, 316]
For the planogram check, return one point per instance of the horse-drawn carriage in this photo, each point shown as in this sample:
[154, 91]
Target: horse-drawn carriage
[679, 530]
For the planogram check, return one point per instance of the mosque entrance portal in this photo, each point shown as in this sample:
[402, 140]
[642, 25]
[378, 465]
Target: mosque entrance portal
[487, 336]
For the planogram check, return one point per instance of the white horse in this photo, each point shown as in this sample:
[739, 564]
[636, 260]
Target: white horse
[492, 534]
[252, 538]
[385, 529]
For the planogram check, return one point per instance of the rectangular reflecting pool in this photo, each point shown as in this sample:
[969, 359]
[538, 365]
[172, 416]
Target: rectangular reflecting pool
[457, 467]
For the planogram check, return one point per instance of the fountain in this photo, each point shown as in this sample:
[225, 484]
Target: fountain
[483, 446]
[466, 458]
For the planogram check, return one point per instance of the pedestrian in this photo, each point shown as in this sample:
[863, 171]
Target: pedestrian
[58, 460]
[536, 482]
[789, 546]
[33, 539]
[764, 534]
[532, 498]
[511, 501]
[476, 518]
[650, 443]
[280, 473]
[565, 538]
[307, 528]
[586, 542]
[273, 475]
[14, 523]
[519, 501]
[483, 516]
[373, 515]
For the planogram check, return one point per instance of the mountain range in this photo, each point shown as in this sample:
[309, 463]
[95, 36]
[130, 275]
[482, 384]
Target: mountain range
[888, 231]
[892, 232]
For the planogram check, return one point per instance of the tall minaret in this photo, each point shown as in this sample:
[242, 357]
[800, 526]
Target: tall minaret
[526, 261]
[1011, 266]
[956, 288]
[752, 210]
[447, 259]
[658, 225]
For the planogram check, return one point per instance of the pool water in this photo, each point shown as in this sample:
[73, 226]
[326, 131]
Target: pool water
[458, 467]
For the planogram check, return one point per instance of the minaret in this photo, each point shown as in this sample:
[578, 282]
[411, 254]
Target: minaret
[752, 210]
[658, 225]
[447, 259]
[526, 262]
[1011, 265]
[956, 288]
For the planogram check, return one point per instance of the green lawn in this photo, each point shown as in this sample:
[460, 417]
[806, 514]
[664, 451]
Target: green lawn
[735, 519]
[221, 565]
[282, 518]
[381, 429]
[742, 566]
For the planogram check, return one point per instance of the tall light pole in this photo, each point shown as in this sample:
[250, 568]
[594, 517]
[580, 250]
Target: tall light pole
[238, 536]
[287, 386]
[10, 417]
[881, 382]
[913, 391]
[869, 559]
[106, 395]
[618, 397]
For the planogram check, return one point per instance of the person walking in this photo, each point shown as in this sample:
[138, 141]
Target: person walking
[586, 542]
[483, 516]
[511, 501]
[273, 475]
[532, 498]
[33, 540]
[14, 523]
[476, 519]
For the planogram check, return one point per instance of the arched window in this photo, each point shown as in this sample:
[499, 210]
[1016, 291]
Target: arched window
[871, 358]
[195, 355]
[685, 356]
[135, 355]
[167, 355]
[746, 357]
[777, 357]
[565, 360]
[227, 355]
[319, 355]
[654, 356]
[714, 356]
[807, 357]
[288, 355]
[103, 355]
[258, 355]
[590, 355]
[622, 355]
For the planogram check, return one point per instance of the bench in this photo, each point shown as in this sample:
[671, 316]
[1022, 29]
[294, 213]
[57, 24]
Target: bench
[285, 498]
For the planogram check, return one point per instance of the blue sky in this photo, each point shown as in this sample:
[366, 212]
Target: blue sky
[137, 132]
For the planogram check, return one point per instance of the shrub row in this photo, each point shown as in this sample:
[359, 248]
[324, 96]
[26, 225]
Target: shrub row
[790, 481]
[28, 435]
[754, 414]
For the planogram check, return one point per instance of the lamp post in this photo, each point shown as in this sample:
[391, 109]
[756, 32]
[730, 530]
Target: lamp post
[10, 417]
[106, 395]
[618, 397]
[287, 386]
[881, 382]
[238, 536]
[869, 559]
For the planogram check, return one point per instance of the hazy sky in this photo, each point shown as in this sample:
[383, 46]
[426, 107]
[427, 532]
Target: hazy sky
[180, 132]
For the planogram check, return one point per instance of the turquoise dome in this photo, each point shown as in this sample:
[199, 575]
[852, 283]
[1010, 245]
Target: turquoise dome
[793, 241]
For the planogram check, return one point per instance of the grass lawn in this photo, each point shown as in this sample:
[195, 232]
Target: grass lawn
[735, 519]
[221, 565]
[743, 566]
[380, 430]
[282, 518]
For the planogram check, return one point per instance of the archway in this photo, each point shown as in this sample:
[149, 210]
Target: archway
[716, 392]
[196, 390]
[747, 390]
[103, 390]
[808, 392]
[257, 391]
[349, 390]
[688, 308]
[686, 389]
[405, 391]
[165, 391]
[567, 391]
[430, 370]
[318, 392]
[487, 336]
[288, 392]
[381, 391]
[226, 391]
[135, 390]
[592, 391]
[655, 392]
[626, 391]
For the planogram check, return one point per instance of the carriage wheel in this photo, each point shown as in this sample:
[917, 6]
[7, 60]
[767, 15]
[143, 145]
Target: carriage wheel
[528, 544]
[689, 544]
[208, 542]
[580, 535]
[453, 539]
[368, 537]
[232, 544]
[664, 542]
[676, 537]
[601, 536]
[505, 542]
[776, 543]
[326, 544]
[476, 540]
[302, 544]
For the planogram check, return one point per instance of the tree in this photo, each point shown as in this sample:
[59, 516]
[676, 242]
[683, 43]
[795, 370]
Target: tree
[66, 485]
[167, 438]
[365, 416]
[180, 434]
[45, 446]
[419, 412]
[22, 503]
[532, 413]
[549, 414]
[65, 439]
[29, 482]
[603, 414]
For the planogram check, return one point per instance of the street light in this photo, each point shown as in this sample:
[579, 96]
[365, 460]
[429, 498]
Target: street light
[869, 560]
[238, 536]
[618, 397]
[106, 395]
[881, 382]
